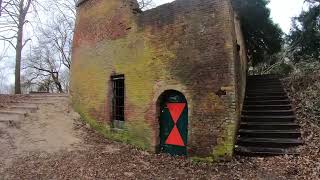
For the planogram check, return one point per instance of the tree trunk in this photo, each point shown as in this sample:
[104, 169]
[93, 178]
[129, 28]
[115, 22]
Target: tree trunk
[0, 7]
[59, 87]
[19, 47]
[21, 22]
[57, 82]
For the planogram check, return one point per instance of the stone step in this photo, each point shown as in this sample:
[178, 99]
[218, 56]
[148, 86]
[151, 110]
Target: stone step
[17, 108]
[246, 133]
[48, 95]
[255, 94]
[30, 102]
[269, 113]
[269, 125]
[252, 79]
[267, 107]
[268, 119]
[260, 78]
[265, 76]
[264, 84]
[265, 90]
[268, 102]
[46, 98]
[253, 151]
[252, 84]
[20, 104]
[10, 116]
[22, 111]
[270, 142]
[262, 98]
[9, 112]
[265, 93]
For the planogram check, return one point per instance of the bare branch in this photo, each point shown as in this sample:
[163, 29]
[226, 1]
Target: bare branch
[25, 42]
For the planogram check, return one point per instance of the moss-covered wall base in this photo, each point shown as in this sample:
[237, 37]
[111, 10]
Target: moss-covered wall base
[137, 134]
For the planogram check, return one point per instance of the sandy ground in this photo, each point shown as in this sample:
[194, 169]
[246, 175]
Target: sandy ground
[49, 130]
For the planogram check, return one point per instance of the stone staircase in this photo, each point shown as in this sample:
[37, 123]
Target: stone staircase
[14, 108]
[267, 124]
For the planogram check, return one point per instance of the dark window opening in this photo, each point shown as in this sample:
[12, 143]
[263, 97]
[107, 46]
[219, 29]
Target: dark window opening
[118, 97]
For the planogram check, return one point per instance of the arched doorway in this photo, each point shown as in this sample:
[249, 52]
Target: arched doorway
[173, 121]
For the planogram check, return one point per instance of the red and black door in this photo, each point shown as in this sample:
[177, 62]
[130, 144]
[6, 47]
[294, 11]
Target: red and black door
[173, 123]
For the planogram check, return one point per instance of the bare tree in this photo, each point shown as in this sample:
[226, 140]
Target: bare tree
[4, 4]
[312, 1]
[61, 28]
[59, 33]
[146, 4]
[42, 64]
[12, 24]
[49, 62]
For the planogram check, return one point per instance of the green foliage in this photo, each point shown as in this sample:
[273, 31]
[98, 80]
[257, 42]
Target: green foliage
[263, 37]
[304, 38]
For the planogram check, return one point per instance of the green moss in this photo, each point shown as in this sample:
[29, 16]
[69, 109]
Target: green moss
[133, 56]
[224, 151]
[137, 134]
[88, 80]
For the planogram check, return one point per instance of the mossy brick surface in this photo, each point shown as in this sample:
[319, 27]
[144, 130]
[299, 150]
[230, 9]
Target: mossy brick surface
[188, 46]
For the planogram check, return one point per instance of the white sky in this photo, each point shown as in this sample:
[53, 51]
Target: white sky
[283, 10]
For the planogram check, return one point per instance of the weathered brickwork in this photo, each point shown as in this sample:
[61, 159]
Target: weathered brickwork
[241, 64]
[188, 45]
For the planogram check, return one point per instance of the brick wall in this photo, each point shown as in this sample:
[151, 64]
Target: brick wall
[241, 61]
[187, 45]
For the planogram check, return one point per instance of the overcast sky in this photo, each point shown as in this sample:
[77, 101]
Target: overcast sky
[281, 11]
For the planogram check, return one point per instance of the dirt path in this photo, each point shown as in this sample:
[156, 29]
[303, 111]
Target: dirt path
[48, 130]
[54, 144]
